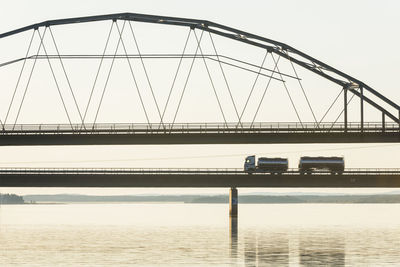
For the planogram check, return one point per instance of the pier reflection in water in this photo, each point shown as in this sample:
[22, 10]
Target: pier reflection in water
[268, 248]
[260, 249]
[199, 235]
[233, 233]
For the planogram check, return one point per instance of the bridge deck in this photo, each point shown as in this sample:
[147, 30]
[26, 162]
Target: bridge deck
[194, 178]
[194, 133]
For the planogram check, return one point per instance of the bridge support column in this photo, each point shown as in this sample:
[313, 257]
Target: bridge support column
[362, 108]
[233, 202]
[383, 122]
[345, 109]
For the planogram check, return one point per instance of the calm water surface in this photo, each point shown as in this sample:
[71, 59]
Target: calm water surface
[200, 235]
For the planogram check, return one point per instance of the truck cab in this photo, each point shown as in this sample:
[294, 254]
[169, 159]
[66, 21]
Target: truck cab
[250, 164]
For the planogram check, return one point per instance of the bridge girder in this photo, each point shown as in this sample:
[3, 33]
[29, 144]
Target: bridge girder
[200, 180]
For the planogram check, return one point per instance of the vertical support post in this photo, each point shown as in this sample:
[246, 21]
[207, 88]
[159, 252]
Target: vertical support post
[383, 122]
[362, 108]
[345, 109]
[233, 202]
[399, 120]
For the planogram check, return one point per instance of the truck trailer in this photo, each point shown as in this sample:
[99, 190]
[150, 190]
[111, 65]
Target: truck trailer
[331, 164]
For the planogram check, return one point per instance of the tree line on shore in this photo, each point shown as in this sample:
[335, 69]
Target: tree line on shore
[11, 199]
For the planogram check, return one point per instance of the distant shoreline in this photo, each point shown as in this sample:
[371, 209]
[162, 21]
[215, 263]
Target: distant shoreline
[168, 203]
[39, 203]
[214, 199]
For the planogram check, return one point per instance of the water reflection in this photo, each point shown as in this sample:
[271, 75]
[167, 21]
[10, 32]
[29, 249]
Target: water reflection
[250, 250]
[175, 235]
[266, 250]
[233, 232]
[321, 250]
[273, 250]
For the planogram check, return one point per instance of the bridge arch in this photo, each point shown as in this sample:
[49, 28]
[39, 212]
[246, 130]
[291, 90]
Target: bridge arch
[293, 55]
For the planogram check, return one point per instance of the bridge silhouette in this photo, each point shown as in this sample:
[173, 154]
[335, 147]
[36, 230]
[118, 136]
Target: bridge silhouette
[67, 177]
[205, 133]
[333, 117]
[234, 128]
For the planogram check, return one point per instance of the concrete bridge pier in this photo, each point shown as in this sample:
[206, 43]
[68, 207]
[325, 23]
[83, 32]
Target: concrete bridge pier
[233, 202]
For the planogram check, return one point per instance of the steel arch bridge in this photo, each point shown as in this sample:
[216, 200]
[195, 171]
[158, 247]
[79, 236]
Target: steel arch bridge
[160, 130]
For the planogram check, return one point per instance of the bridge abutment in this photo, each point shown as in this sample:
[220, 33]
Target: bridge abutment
[233, 202]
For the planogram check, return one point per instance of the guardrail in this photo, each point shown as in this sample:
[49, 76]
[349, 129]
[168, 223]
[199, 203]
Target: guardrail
[172, 171]
[188, 128]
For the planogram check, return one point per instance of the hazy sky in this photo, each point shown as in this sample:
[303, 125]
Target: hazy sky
[357, 37]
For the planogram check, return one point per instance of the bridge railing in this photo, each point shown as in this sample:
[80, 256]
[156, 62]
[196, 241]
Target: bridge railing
[188, 128]
[181, 171]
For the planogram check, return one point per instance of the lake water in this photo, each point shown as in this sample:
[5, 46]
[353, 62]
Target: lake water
[200, 235]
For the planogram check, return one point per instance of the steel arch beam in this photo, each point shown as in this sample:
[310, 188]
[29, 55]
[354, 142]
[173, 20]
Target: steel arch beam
[314, 65]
